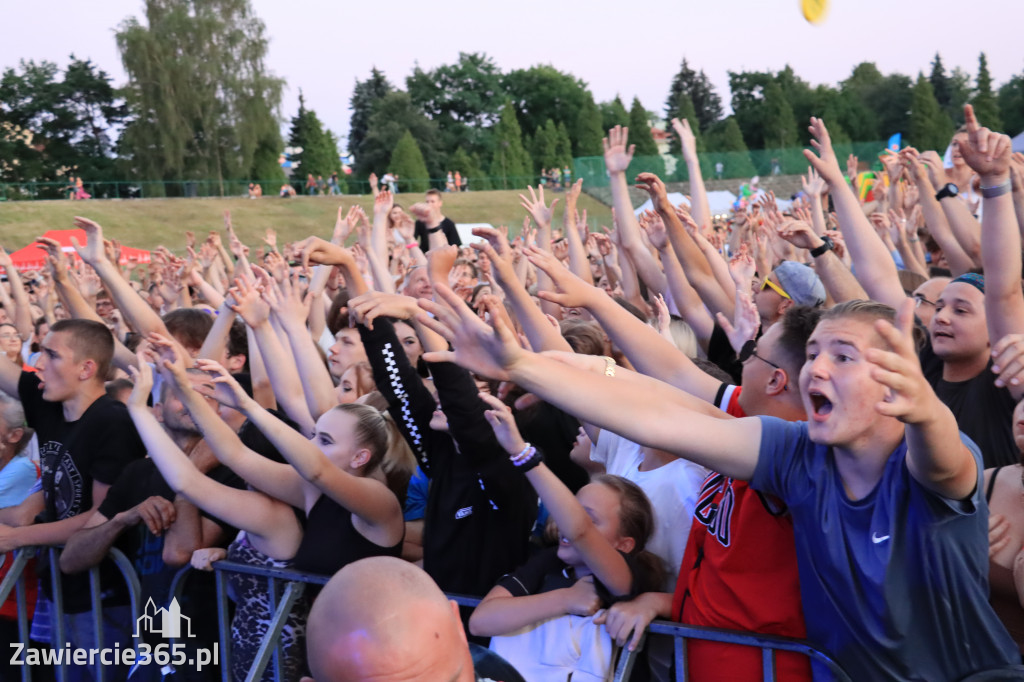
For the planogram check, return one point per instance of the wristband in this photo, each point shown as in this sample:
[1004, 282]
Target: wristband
[411, 246]
[996, 190]
[527, 459]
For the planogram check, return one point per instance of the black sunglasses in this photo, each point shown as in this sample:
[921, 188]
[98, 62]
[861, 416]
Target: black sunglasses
[749, 350]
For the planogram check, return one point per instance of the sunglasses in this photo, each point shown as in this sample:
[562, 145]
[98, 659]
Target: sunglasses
[779, 290]
[749, 350]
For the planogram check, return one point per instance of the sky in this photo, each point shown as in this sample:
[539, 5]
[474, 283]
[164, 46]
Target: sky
[324, 46]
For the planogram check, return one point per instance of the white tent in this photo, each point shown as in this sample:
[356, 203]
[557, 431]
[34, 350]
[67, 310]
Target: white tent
[1018, 143]
[720, 202]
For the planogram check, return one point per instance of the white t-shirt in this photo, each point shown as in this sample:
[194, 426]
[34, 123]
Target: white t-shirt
[672, 489]
[554, 649]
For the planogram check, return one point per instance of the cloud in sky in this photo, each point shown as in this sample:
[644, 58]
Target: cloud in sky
[630, 49]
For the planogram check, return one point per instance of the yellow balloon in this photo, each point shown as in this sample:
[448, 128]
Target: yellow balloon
[814, 10]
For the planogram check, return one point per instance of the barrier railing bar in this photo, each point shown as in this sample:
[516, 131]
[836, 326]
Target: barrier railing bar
[627, 659]
[768, 663]
[679, 646]
[17, 566]
[26, 675]
[272, 608]
[223, 626]
[284, 609]
[97, 617]
[57, 621]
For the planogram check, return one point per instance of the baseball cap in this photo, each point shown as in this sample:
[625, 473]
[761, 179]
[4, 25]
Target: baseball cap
[801, 283]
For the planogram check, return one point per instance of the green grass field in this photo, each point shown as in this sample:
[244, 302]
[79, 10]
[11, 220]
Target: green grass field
[145, 223]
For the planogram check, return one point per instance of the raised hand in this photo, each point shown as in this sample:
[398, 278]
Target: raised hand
[270, 239]
[617, 156]
[654, 226]
[374, 304]
[911, 399]
[572, 195]
[986, 152]
[249, 305]
[142, 378]
[812, 183]
[382, 204]
[503, 423]
[440, 263]
[94, 251]
[169, 357]
[317, 250]
[746, 320]
[477, 347]
[571, 291]
[852, 166]
[652, 184]
[825, 162]
[498, 242]
[228, 391]
[687, 140]
[537, 208]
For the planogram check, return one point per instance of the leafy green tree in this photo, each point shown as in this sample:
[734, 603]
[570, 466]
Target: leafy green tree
[53, 122]
[986, 108]
[462, 98]
[319, 154]
[587, 139]
[365, 97]
[542, 92]
[706, 103]
[511, 164]
[761, 110]
[613, 114]
[223, 118]
[778, 122]
[887, 98]
[930, 128]
[960, 86]
[407, 163]
[725, 143]
[1011, 105]
[393, 116]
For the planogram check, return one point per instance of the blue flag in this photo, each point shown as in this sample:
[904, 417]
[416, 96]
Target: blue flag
[894, 143]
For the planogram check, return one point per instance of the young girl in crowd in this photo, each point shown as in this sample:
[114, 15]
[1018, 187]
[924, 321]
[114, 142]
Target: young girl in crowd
[539, 616]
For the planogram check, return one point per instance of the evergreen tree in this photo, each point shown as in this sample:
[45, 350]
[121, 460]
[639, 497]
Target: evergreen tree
[1011, 105]
[407, 163]
[363, 103]
[319, 154]
[930, 128]
[544, 147]
[511, 163]
[707, 105]
[393, 115]
[645, 156]
[469, 166]
[941, 85]
[613, 114]
[986, 109]
[224, 110]
[726, 139]
[777, 120]
[685, 111]
[588, 129]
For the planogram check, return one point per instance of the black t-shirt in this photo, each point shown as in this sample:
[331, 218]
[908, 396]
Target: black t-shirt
[552, 431]
[447, 226]
[138, 482]
[96, 447]
[983, 411]
[545, 572]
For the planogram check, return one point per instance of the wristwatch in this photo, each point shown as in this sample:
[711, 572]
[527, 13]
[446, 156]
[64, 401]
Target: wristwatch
[826, 245]
[948, 190]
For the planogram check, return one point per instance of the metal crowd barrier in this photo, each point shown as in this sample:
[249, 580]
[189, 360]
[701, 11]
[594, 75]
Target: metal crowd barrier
[16, 578]
[293, 583]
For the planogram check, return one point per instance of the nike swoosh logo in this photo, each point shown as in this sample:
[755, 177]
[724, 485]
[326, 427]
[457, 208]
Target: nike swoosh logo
[875, 539]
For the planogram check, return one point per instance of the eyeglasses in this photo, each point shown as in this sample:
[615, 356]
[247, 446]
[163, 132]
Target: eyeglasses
[779, 290]
[8, 336]
[919, 299]
[749, 350]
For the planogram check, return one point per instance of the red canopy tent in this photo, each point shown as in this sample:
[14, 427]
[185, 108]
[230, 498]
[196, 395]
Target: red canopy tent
[33, 257]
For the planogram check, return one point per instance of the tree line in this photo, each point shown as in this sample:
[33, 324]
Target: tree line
[199, 103]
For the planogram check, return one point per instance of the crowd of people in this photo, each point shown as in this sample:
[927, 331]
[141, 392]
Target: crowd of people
[802, 423]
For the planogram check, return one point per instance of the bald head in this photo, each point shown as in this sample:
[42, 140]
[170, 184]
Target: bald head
[385, 619]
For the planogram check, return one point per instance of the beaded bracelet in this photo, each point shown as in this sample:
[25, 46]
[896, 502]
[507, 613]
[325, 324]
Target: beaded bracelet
[527, 459]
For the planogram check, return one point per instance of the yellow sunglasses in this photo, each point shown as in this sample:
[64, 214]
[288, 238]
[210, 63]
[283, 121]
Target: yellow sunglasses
[779, 290]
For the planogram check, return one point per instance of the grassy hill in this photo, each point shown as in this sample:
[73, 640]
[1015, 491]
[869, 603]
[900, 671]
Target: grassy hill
[145, 223]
